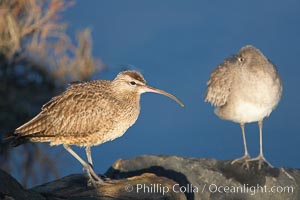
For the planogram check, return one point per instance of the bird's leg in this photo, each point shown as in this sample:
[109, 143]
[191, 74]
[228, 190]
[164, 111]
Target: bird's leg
[89, 155]
[260, 158]
[93, 177]
[246, 154]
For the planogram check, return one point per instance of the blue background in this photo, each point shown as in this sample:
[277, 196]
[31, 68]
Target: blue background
[176, 44]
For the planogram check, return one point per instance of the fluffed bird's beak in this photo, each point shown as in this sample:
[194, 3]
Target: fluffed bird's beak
[147, 88]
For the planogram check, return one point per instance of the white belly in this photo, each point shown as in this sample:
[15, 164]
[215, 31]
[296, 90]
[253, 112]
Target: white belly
[247, 112]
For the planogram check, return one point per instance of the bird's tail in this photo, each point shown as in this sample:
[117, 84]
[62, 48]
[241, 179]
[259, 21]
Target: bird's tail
[14, 139]
[11, 139]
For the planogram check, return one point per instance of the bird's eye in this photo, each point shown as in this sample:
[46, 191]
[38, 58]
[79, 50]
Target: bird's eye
[133, 83]
[241, 59]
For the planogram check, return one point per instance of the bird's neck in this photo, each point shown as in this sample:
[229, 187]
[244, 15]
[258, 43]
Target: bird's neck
[123, 95]
[128, 97]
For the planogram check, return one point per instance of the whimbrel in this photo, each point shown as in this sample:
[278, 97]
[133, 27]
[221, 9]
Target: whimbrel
[245, 88]
[88, 114]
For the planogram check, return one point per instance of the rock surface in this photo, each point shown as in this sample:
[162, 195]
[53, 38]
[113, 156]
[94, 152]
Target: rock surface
[75, 187]
[213, 179]
[10, 189]
[168, 178]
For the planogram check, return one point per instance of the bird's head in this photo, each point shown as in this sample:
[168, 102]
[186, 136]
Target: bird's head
[133, 83]
[247, 56]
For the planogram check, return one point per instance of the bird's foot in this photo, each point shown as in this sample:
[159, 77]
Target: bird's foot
[243, 160]
[96, 183]
[94, 179]
[261, 160]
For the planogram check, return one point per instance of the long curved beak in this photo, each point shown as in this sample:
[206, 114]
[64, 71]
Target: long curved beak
[147, 88]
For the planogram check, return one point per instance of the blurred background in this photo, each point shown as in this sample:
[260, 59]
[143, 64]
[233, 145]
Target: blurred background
[44, 45]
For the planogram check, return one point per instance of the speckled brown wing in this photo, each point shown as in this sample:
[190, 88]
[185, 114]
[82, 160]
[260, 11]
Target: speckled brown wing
[79, 110]
[219, 86]
[39, 123]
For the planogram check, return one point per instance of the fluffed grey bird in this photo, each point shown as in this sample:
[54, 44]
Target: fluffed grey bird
[245, 88]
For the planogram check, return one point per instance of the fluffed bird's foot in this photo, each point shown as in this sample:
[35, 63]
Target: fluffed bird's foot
[261, 160]
[94, 179]
[243, 160]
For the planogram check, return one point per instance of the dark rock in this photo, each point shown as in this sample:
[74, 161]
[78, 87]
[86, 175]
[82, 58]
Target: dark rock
[10, 189]
[206, 175]
[74, 187]
[167, 178]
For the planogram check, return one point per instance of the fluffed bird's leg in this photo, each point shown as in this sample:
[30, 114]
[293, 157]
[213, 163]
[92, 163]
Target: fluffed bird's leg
[260, 158]
[246, 154]
[93, 177]
[89, 155]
